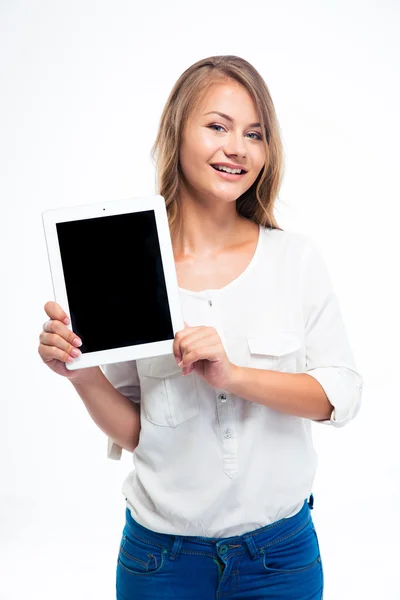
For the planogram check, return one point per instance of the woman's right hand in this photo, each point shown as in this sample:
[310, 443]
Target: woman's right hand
[58, 343]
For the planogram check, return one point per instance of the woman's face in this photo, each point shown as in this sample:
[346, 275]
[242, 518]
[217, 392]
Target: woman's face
[222, 132]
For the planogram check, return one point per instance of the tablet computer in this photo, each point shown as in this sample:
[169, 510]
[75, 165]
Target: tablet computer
[113, 272]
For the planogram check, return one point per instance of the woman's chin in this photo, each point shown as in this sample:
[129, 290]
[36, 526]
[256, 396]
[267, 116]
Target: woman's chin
[227, 194]
[222, 193]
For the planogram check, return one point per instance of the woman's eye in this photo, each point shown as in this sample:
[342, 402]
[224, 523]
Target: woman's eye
[214, 125]
[258, 136]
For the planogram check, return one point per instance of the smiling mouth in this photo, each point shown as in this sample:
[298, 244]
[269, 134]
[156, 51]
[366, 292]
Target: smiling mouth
[229, 170]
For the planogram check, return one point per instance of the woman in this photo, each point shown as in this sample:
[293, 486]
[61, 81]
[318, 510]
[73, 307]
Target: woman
[219, 502]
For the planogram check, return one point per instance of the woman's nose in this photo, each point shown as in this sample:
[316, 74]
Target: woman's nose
[235, 145]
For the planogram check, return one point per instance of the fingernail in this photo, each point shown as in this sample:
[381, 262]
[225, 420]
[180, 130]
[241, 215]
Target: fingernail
[77, 342]
[66, 321]
[180, 364]
[76, 352]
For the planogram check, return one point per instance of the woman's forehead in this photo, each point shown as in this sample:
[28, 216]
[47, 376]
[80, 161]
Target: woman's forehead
[229, 98]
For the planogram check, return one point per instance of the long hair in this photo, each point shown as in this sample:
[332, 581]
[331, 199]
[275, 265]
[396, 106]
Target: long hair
[257, 203]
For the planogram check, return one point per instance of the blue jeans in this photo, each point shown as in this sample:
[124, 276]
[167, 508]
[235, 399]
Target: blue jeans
[279, 561]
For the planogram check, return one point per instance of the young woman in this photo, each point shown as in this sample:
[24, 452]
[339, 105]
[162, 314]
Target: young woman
[218, 505]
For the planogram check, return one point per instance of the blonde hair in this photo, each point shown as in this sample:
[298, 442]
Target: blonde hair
[257, 203]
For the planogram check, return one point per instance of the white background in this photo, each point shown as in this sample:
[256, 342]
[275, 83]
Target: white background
[83, 85]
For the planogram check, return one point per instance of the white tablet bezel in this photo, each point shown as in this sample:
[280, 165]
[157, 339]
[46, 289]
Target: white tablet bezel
[91, 211]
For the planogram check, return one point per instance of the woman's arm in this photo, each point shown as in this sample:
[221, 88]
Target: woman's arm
[296, 394]
[114, 413]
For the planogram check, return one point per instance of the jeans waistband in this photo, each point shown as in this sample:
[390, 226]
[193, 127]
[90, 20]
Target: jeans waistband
[254, 541]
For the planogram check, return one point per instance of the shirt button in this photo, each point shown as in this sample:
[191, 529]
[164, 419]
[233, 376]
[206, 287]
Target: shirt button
[222, 397]
[228, 433]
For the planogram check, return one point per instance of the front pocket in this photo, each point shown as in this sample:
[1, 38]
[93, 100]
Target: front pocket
[296, 554]
[138, 558]
[168, 398]
[275, 350]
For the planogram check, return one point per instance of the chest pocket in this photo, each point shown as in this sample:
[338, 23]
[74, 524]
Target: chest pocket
[276, 351]
[168, 398]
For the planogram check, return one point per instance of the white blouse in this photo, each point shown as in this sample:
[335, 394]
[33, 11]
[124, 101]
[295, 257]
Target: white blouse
[209, 462]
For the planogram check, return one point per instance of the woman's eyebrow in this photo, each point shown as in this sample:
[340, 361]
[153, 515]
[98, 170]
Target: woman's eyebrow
[228, 118]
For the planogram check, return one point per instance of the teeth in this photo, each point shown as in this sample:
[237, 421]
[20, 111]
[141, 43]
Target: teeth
[227, 169]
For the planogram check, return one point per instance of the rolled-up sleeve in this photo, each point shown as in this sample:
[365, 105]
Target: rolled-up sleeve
[124, 377]
[329, 358]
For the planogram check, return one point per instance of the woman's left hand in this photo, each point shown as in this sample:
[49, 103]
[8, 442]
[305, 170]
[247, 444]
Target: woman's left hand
[200, 349]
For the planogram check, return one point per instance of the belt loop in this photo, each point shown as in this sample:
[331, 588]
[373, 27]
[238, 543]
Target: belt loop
[253, 550]
[176, 547]
[311, 502]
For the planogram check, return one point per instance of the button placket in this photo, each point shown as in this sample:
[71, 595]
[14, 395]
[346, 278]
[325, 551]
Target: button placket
[224, 406]
[227, 428]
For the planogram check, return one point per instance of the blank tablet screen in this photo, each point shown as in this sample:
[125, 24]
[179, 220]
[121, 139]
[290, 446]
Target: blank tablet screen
[115, 281]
